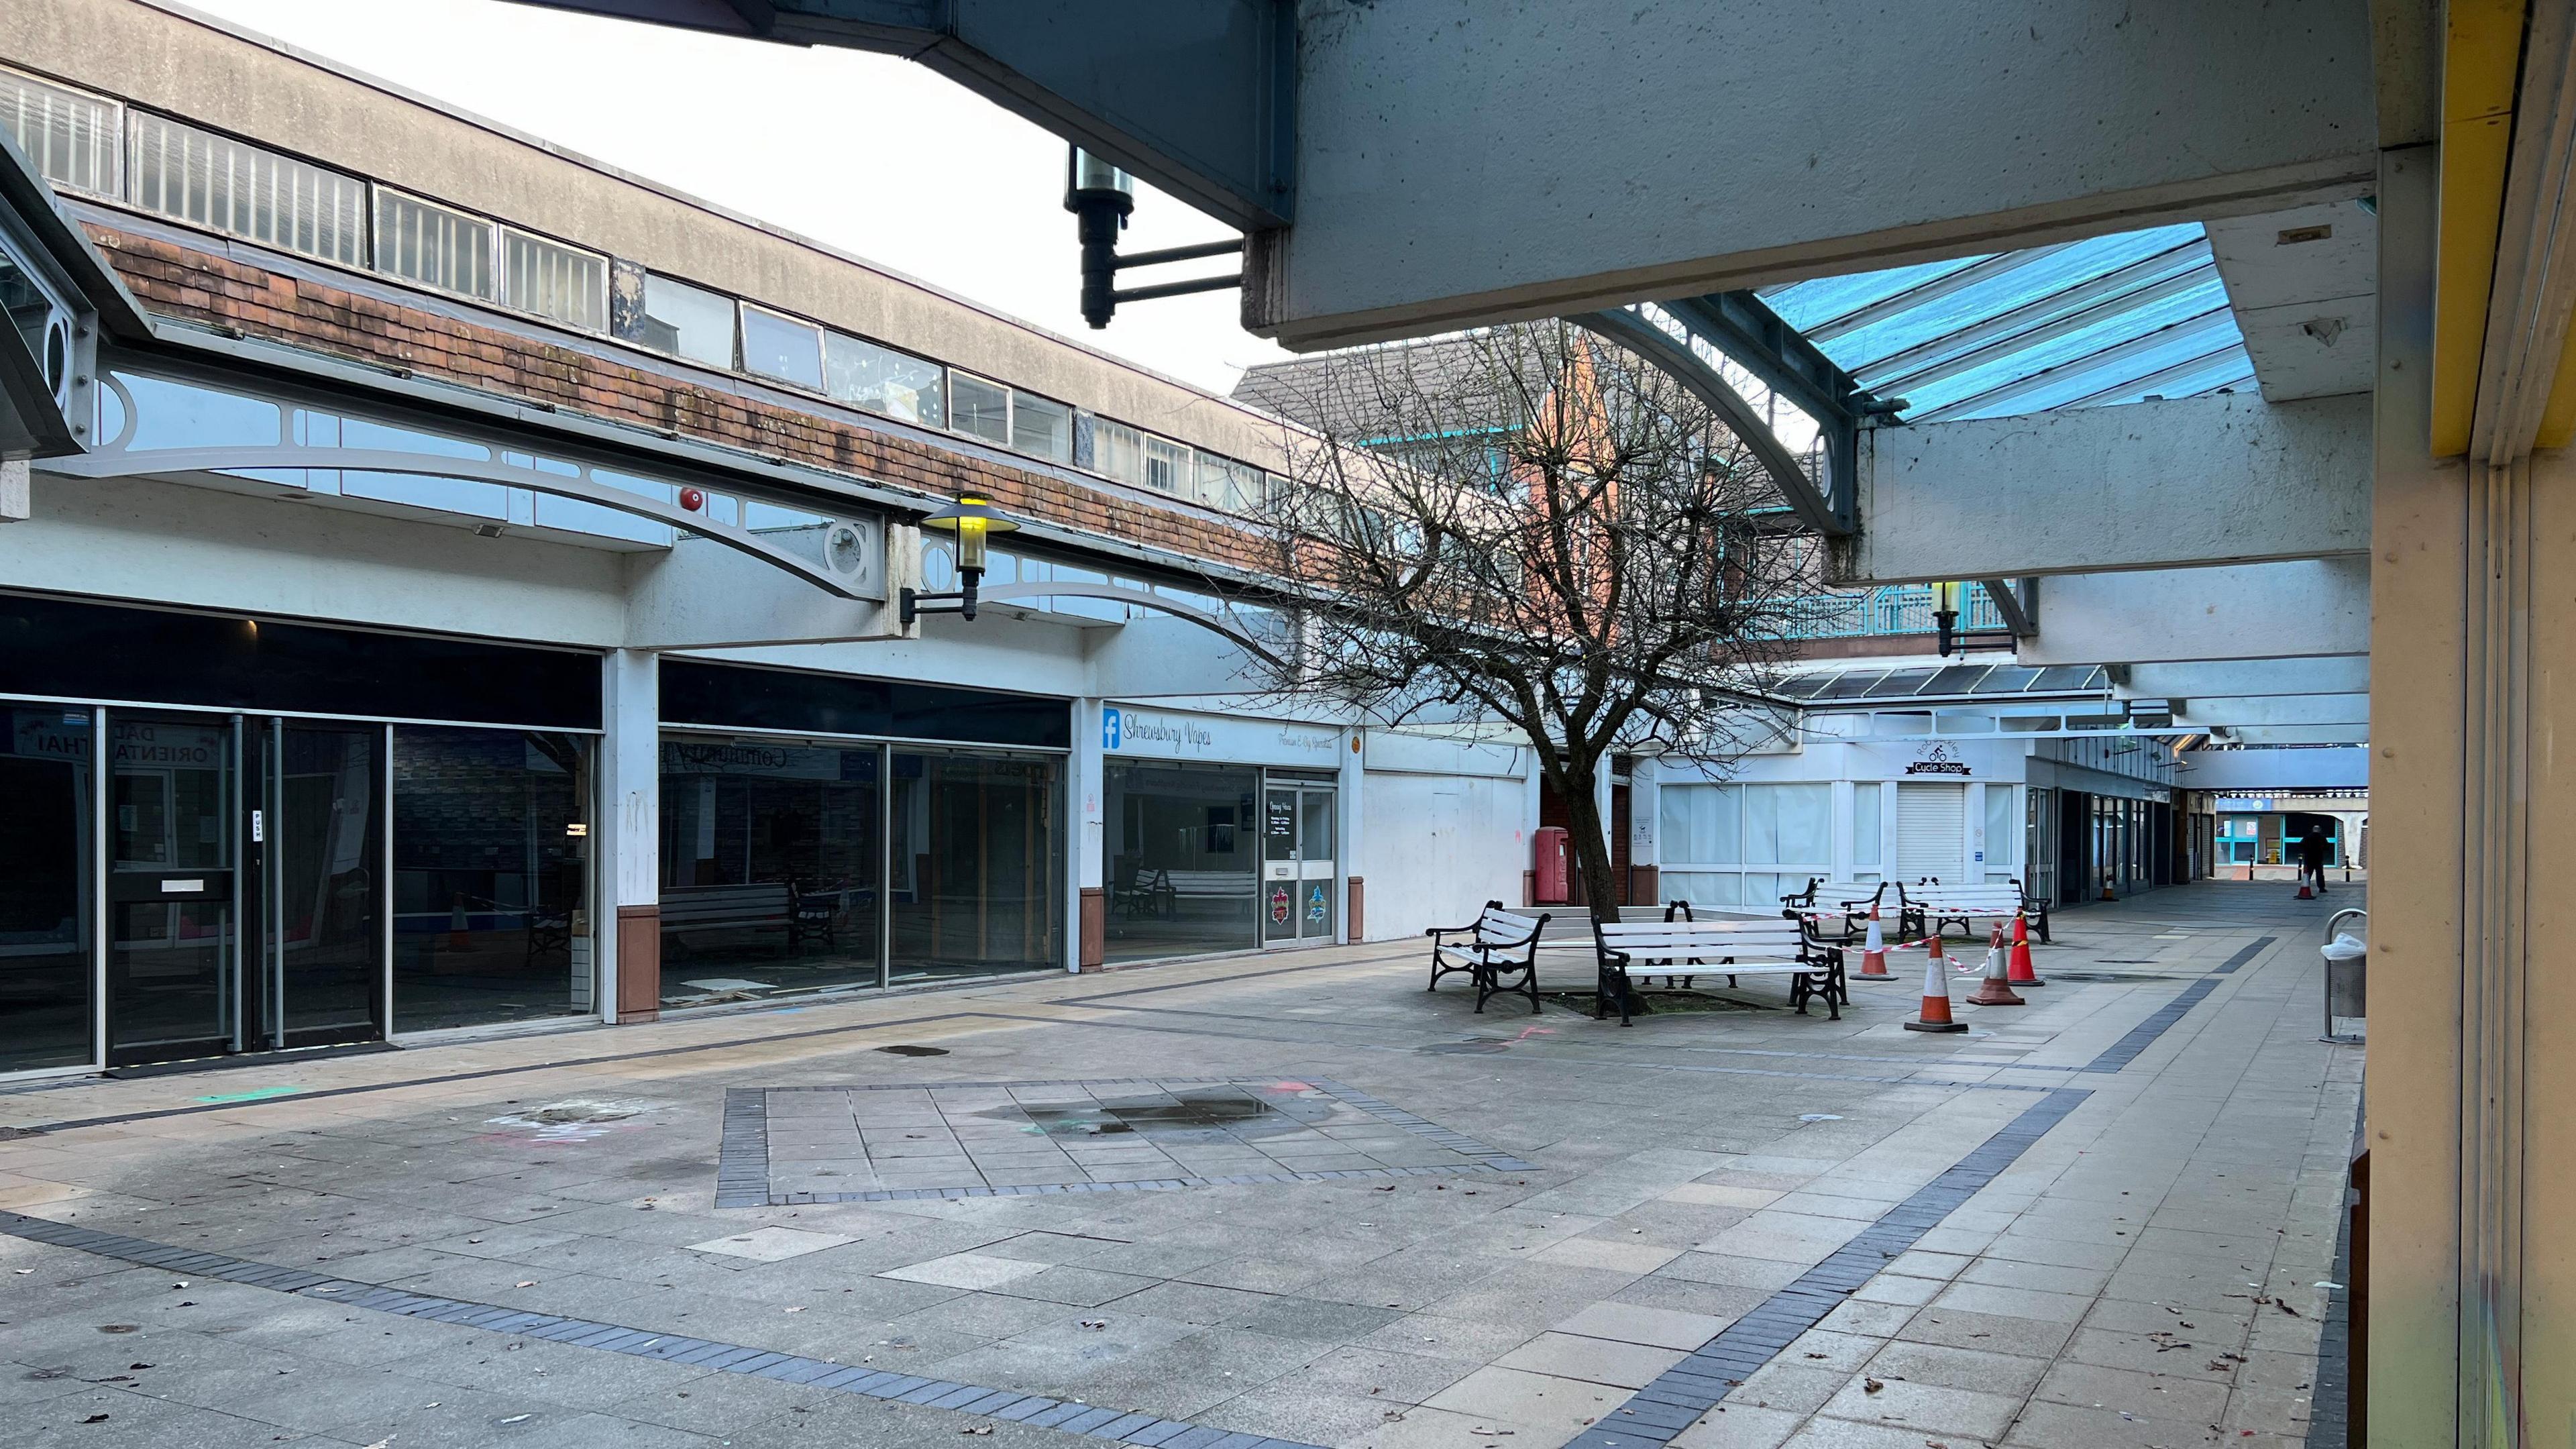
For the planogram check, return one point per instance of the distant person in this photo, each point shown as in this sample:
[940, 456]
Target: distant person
[2313, 850]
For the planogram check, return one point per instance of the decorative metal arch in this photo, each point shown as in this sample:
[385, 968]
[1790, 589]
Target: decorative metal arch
[1117, 593]
[861, 579]
[1631, 329]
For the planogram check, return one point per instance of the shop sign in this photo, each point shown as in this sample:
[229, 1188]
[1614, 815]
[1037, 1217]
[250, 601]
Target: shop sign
[51, 735]
[1938, 760]
[786, 762]
[1170, 734]
[179, 746]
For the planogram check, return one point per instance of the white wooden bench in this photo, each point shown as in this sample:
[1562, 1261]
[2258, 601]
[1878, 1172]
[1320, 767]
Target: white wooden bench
[1930, 906]
[1849, 900]
[1495, 945]
[759, 906]
[1210, 884]
[1630, 950]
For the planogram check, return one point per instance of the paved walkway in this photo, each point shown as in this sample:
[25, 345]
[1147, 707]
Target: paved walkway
[1280, 1200]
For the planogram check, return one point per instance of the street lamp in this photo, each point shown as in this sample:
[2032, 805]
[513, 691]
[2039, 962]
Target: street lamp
[971, 519]
[1945, 615]
[1101, 196]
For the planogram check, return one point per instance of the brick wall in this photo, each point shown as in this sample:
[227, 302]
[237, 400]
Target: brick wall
[193, 286]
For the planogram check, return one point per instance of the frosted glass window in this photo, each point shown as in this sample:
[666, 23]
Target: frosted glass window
[229, 186]
[687, 321]
[71, 137]
[883, 380]
[1702, 824]
[1761, 826]
[551, 280]
[1117, 451]
[1041, 428]
[1865, 825]
[432, 245]
[1805, 816]
[1226, 484]
[979, 409]
[782, 347]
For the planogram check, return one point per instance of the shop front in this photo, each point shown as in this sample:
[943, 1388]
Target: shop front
[232, 835]
[822, 832]
[1220, 833]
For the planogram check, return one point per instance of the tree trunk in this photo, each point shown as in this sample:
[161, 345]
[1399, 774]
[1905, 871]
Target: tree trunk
[1591, 847]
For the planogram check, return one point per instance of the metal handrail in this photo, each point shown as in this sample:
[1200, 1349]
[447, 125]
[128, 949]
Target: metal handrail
[2337, 919]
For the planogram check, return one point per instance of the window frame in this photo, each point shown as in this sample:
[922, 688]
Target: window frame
[744, 307]
[501, 275]
[377, 194]
[957, 374]
[733, 347]
[117, 111]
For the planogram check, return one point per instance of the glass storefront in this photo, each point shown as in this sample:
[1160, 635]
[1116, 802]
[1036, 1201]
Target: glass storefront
[977, 846]
[491, 876]
[1183, 859]
[771, 852]
[47, 915]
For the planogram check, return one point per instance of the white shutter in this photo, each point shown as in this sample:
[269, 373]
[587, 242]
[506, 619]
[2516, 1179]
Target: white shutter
[1931, 824]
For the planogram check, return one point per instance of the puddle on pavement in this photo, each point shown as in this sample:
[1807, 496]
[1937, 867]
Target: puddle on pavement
[1182, 1112]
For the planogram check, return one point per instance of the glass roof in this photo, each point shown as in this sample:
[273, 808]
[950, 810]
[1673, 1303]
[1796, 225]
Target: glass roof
[1980, 682]
[2110, 319]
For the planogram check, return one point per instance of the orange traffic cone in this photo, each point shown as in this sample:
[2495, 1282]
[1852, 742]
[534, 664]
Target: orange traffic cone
[1936, 995]
[2303, 892]
[1873, 955]
[1992, 991]
[2021, 972]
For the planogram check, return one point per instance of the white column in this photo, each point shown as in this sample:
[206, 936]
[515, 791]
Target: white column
[1976, 852]
[1348, 825]
[1086, 785]
[1645, 822]
[629, 931]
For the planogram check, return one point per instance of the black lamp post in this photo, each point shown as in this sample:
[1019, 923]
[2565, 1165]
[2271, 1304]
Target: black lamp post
[1945, 615]
[971, 520]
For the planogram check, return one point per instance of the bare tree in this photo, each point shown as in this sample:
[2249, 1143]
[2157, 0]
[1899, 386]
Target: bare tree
[1533, 526]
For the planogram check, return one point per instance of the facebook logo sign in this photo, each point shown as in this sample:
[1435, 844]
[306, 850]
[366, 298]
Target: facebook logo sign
[1109, 728]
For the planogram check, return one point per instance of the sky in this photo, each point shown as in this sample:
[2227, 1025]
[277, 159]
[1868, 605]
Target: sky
[873, 155]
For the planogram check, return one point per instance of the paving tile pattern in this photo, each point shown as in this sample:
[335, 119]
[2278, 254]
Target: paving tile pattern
[896, 1142]
[1681, 1395]
[1148, 1431]
[2119, 1054]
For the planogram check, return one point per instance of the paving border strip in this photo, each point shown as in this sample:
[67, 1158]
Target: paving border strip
[742, 1158]
[1685, 1393]
[2120, 1053]
[1092, 1421]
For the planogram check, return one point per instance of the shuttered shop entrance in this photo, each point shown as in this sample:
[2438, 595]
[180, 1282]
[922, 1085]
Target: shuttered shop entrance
[1931, 826]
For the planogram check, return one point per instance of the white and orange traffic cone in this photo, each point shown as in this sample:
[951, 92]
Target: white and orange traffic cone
[1873, 954]
[1992, 991]
[2303, 892]
[1936, 995]
[2020, 972]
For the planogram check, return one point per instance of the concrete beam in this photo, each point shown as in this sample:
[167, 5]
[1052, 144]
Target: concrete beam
[2294, 610]
[2151, 485]
[2331, 734]
[2270, 677]
[2256, 771]
[2298, 709]
[702, 595]
[1660, 151]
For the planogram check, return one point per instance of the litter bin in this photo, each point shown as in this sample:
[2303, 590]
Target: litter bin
[2347, 976]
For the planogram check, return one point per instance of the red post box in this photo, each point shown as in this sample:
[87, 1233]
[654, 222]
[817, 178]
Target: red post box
[1550, 869]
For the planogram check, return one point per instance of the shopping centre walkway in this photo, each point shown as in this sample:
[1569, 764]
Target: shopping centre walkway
[1366, 1217]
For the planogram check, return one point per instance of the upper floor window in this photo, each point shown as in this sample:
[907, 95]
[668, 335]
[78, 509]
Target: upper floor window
[554, 280]
[231, 186]
[883, 380]
[1041, 427]
[686, 321]
[782, 347]
[432, 245]
[72, 137]
[979, 409]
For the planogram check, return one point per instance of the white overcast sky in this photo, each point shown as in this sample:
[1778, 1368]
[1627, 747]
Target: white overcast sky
[873, 155]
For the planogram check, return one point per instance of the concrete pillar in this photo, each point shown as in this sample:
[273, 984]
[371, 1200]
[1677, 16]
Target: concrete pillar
[1646, 832]
[1349, 820]
[630, 838]
[2473, 1010]
[1087, 786]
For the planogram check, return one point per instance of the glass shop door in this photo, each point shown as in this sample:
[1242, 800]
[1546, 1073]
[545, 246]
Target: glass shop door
[1298, 871]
